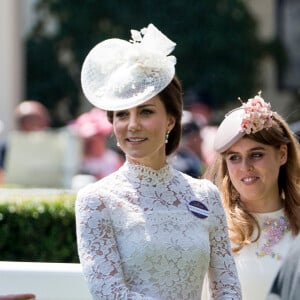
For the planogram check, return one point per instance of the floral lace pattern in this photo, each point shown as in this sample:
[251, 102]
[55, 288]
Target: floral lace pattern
[273, 230]
[138, 240]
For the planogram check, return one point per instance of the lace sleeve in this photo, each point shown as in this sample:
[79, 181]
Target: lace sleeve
[97, 248]
[222, 273]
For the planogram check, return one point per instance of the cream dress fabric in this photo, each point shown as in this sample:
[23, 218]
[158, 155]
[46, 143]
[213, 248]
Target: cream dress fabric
[259, 262]
[137, 238]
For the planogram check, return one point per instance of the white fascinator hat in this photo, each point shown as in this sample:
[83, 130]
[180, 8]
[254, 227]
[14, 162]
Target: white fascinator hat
[117, 74]
[249, 118]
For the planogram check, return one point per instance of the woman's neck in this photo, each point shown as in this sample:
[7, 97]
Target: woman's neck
[262, 206]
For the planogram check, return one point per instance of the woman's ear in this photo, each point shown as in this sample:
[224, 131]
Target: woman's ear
[283, 153]
[171, 122]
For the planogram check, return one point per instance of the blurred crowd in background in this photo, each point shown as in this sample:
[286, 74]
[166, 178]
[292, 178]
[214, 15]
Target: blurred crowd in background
[87, 143]
[40, 156]
[248, 46]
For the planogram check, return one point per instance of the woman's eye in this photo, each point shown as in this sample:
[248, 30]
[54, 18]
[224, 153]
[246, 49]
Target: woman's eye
[146, 112]
[121, 114]
[233, 157]
[256, 155]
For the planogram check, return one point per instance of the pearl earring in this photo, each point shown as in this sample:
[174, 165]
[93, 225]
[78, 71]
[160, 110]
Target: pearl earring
[167, 137]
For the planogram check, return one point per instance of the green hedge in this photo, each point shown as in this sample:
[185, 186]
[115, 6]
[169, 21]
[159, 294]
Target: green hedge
[37, 226]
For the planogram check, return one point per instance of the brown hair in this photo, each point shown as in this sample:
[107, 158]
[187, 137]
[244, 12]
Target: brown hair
[171, 97]
[241, 222]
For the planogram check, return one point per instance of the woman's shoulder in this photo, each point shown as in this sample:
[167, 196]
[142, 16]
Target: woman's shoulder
[200, 187]
[201, 184]
[207, 192]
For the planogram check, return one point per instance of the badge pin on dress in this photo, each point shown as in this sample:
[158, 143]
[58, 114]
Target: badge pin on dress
[198, 209]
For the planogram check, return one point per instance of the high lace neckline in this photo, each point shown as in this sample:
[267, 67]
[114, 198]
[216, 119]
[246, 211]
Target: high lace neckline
[146, 175]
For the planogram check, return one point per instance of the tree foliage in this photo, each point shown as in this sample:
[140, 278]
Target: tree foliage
[218, 49]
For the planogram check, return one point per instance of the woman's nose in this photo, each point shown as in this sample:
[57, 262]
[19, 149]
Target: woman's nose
[133, 124]
[247, 165]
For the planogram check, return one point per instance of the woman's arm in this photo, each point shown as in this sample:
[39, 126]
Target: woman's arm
[98, 249]
[222, 274]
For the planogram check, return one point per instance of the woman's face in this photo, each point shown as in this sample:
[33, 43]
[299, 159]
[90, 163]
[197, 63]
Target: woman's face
[254, 169]
[141, 132]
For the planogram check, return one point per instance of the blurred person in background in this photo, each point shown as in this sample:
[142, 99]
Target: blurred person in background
[188, 157]
[208, 133]
[257, 170]
[98, 159]
[29, 116]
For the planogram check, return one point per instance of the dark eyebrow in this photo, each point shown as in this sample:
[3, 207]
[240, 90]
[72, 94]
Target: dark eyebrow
[146, 105]
[252, 149]
[139, 107]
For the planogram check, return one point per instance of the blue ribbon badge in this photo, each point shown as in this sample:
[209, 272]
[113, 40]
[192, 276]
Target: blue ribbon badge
[198, 209]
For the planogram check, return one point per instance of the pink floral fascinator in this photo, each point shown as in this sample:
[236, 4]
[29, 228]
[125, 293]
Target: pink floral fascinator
[250, 117]
[119, 74]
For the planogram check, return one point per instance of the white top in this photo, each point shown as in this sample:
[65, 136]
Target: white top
[258, 263]
[137, 239]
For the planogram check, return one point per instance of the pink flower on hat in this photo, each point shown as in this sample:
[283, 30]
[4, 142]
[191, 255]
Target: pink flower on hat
[258, 115]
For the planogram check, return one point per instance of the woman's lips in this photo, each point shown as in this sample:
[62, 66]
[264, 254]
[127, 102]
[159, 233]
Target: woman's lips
[249, 179]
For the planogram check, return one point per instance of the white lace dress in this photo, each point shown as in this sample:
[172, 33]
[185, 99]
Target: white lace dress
[137, 238]
[258, 263]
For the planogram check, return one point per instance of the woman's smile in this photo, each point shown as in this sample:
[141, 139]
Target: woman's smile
[250, 180]
[136, 140]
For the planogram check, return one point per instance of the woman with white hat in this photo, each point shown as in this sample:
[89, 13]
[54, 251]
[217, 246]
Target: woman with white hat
[258, 172]
[148, 231]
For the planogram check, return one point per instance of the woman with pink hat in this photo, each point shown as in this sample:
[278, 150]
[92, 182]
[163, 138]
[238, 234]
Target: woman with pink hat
[258, 172]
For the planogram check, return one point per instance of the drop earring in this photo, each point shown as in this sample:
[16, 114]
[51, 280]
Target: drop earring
[167, 137]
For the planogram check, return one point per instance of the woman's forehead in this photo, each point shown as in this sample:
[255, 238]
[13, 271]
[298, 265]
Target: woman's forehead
[246, 143]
